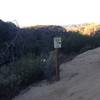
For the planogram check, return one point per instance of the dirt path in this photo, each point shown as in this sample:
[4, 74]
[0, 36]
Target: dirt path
[80, 80]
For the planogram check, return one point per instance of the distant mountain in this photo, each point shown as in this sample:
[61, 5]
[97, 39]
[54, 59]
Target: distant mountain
[87, 28]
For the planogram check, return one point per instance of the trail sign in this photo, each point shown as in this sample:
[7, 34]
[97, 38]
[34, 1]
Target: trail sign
[57, 42]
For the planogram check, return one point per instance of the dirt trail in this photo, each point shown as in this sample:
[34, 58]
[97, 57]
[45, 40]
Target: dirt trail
[80, 80]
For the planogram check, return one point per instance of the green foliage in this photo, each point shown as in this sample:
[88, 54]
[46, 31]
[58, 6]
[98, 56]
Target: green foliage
[74, 43]
[20, 74]
[95, 41]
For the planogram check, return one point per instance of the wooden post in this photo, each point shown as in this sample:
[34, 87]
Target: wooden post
[57, 64]
[57, 45]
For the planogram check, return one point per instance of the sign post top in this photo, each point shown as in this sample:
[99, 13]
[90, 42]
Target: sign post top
[57, 42]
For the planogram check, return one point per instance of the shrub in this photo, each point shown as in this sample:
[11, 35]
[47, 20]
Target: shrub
[49, 68]
[74, 43]
[20, 74]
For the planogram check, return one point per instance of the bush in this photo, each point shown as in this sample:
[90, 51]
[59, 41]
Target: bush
[95, 41]
[49, 69]
[74, 43]
[20, 74]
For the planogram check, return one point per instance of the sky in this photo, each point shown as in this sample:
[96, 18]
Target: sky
[49, 12]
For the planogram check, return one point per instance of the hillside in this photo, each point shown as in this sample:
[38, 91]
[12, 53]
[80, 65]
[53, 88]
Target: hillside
[80, 80]
[87, 28]
[23, 50]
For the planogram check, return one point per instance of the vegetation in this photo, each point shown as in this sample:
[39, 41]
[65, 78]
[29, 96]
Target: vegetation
[16, 76]
[25, 54]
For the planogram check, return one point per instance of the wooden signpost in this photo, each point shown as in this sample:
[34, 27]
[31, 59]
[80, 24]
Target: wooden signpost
[57, 45]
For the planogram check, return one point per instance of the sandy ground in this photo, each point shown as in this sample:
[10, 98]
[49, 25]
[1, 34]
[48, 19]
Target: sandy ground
[80, 80]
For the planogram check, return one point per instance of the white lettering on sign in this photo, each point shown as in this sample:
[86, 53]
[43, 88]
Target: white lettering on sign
[57, 42]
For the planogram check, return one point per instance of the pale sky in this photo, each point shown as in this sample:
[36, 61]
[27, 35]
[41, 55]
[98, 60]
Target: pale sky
[47, 12]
